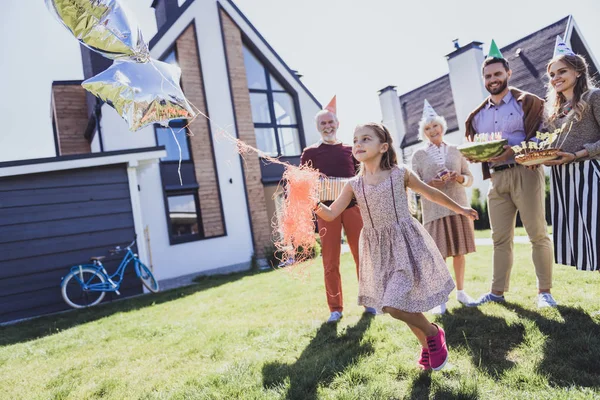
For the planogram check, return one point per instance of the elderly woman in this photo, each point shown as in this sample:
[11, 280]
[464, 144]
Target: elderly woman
[574, 102]
[443, 167]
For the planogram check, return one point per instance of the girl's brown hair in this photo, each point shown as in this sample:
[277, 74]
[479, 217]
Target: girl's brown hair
[555, 102]
[389, 159]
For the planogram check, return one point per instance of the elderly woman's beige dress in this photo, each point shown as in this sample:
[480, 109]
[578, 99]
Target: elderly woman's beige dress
[454, 234]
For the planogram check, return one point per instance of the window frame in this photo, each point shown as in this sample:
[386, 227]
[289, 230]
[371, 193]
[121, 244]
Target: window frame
[186, 188]
[270, 73]
[176, 124]
[187, 238]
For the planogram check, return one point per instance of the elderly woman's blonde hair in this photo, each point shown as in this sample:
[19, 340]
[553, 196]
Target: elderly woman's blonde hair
[426, 121]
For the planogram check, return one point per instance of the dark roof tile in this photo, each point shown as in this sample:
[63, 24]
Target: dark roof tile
[439, 95]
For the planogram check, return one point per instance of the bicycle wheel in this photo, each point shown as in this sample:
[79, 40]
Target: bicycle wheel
[73, 292]
[146, 277]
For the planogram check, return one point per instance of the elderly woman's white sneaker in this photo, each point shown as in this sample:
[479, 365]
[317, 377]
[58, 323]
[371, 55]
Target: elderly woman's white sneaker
[463, 297]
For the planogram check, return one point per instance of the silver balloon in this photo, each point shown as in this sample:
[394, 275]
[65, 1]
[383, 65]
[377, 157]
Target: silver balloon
[104, 26]
[142, 93]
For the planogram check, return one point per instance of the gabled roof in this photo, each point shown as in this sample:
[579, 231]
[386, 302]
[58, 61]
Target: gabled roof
[165, 28]
[439, 95]
[528, 66]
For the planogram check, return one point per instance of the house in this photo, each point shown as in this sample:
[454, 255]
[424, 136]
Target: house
[457, 93]
[107, 185]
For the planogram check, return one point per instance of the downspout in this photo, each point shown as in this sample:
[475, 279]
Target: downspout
[98, 116]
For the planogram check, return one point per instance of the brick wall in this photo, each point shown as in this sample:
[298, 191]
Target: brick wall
[69, 110]
[201, 145]
[255, 190]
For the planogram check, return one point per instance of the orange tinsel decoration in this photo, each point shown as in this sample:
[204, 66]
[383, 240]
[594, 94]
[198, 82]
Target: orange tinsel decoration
[296, 221]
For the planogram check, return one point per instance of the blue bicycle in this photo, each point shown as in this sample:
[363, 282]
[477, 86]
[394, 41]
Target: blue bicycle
[86, 285]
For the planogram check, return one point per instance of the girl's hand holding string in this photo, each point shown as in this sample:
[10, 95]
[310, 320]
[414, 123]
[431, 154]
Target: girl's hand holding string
[339, 205]
[469, 213]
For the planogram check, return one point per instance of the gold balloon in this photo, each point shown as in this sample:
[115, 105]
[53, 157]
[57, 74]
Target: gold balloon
[142, 93]
[103, 26]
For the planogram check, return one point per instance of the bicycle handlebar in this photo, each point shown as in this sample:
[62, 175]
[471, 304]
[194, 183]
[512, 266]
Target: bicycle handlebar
[118, 249]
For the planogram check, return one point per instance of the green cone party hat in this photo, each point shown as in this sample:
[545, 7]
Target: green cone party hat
[494, 51]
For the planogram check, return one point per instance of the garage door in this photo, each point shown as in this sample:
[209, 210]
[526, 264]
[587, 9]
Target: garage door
[51, 221]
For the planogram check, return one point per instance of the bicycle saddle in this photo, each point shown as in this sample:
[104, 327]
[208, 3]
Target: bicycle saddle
[97, 258]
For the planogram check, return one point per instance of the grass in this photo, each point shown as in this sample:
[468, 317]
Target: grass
[519, 231]
[261, 336]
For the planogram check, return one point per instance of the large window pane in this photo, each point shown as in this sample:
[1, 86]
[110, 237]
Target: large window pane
[170, 58]
[255, 72]
[170, 137]
[183, 215]
[275, 85]
[260, 108]
[284, 109]
[265, 141]
[289, 141]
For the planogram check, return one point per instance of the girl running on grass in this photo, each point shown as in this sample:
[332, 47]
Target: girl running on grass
[402, 272]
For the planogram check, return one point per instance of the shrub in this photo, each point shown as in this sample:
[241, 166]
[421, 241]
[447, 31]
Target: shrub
[275, 256]
[481, 207]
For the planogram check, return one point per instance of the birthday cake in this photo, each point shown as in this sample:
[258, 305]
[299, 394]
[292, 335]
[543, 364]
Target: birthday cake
[536, 157]
[540, 151]
[483, 147]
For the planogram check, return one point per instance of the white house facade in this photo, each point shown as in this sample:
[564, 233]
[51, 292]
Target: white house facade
[213, 217]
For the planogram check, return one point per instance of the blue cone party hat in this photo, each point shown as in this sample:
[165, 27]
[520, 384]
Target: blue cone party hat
[560, 48]
[428, 111]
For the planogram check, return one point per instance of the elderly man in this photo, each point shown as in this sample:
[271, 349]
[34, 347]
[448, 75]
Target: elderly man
[335, 160]
[514, 188]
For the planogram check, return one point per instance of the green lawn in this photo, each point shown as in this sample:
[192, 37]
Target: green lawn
[262, 336]
[519, 231]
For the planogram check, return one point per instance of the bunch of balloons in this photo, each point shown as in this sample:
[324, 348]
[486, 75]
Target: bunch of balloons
[142, 90]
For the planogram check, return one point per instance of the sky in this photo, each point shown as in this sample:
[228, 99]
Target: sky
[350, 48]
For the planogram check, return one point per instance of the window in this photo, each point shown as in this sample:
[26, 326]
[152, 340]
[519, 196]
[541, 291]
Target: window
[180, 187]
[184, 219]
[174, 138]
[273, 110]
[170, 58]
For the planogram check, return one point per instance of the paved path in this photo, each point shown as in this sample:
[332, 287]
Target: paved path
[478, 242]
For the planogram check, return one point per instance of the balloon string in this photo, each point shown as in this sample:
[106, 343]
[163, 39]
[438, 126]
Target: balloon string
[295, 222]
[242, 147]
[180, 157]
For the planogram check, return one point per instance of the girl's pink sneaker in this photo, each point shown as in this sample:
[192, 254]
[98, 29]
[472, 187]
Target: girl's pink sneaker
[438, 352]
[424, 360]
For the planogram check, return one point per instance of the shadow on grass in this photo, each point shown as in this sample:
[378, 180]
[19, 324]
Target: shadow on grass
[421, 388]
[326, 356]
[50, 324]
[571, 350]
[488, 339]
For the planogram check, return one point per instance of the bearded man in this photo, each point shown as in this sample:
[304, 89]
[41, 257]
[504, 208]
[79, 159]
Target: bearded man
[514, 188]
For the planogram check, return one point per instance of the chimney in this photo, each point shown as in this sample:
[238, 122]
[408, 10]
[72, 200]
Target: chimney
[69, 117]
[466, 82]
[165, 11]
[391, 113]
[93, 63]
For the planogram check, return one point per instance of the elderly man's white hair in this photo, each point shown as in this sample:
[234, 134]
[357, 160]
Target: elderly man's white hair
[426, 121]
[323, 112]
